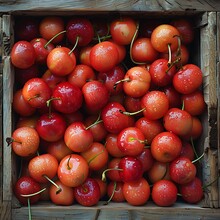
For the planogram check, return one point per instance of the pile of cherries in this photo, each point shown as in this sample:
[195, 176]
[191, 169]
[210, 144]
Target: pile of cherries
[106, 111]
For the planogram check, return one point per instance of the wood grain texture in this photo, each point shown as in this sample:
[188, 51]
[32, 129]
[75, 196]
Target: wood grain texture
[5, 210]
[110, 5]
[115, 211]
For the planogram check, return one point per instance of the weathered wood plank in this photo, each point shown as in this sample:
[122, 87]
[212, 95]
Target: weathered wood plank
[116, 211]
[110, 5]
[5, 210]
[208, 65]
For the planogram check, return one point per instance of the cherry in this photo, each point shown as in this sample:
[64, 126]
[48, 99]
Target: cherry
[25, 141]
[166, 146]
[164, 193]
[178, 121]
[73, 170]
[136, 193]
[80, 28]
[26, 185]
[131, 169]
[113, 169]
[146, 159]
[115, 192]
[51, 127]
[66, 98]
[182, 170]
[131, 141]
[23, 54]
[87, 194]
[50, 26]
[104, 56]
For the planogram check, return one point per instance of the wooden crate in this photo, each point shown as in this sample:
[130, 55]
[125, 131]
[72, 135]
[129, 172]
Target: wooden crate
[206, 56]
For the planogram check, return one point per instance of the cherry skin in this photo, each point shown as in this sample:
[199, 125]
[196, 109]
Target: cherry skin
[131, 141]
[73, 170]
[51, 127]
[143, 51]
[137, 83]
[150, 128]
[21, 106]
[122, 30]
[25, 141]
[164, 193]
[104, 56]
[155, 104]
[109, 79]
[96, 95]
[81, 74]
[96, 156]
[84, 55]
[77, 137]
[26, 185]
[132, 104]
[136, 193]
[164, 35]
[159, 74]
[182, 170]
[113, 172]
[36, 92]
[166, 146]
[42, 49]
[146, 159]
[114, 121]
[80, 28]
[187, 150]
[23, 54]
[178, 121]
[50, 26]
[26, 28]
[61, 61]
[158, 171]
[115, 189]
[188, 79]
[65, 197]
[192, 192]
[43, 167]
[87, 194]
[67, 98]
[131, 169]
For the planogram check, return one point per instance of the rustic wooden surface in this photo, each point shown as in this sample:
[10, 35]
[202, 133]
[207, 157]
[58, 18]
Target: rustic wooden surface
[109, 5]
[115, 211]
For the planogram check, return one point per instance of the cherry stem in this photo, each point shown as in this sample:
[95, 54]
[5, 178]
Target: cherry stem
[10, 140]
[93, 158]
[172, 64]
[197, 159]
[147, 146]
[68, 162]
[95, 123]
[104, 172]
[131, 113]
[58, 188]
[48, 103]
[183, 106]
[113, 192]
[209, 184]
[169, 55]
[178, 53]
[33, 194]
[140, 141]
[36, 96]
[120, 81]
[131, 45]
[29, 209]
[74, 47]
[193, 146]
[45, 46]
[165, 171]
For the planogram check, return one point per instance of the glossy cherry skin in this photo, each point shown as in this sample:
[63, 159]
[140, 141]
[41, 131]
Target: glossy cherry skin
[131, 141]
[51, 127]
[131, 169]
[73, 170]
[36, 92]
[115, 189]
[81, 28]
[26, 185]
[87, 194]
[182, 170]
[68, 98]
[23, 54]
[77, 137]
[164, 193]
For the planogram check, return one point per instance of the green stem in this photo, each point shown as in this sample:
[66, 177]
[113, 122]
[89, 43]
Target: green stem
[77, 40]
[197, 159]
[33, 194]
[132, 113]
[29, 209]
[93, 158]
[113, 192]
[45, 46]
[58, 188]
[104, 172]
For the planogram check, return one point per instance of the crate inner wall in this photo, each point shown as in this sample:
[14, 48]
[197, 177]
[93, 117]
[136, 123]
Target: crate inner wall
[204, 55]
